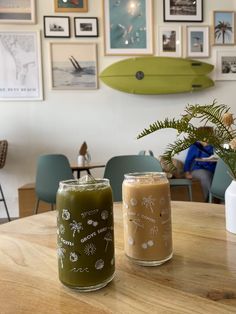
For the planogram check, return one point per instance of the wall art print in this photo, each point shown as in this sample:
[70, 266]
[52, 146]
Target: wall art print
[170, 41]
[226, 65]
[224, 27]
[56, 26]
[73, 66]
[128, 27]
[17, 11]
[198, 42]
[71, 5]
[183, 10]
[20, 64]
[86, 26]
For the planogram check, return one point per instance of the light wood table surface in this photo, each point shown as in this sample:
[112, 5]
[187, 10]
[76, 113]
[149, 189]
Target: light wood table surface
[201, 277]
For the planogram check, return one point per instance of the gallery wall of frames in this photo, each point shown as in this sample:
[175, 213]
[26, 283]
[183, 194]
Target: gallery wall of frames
[128, 31]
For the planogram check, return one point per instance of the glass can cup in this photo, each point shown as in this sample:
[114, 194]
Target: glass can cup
[85, 234]
[147, 218]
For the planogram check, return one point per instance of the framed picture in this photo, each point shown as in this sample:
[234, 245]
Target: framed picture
[86, 27]
[224, 27]
[226, 65]
[198, 42]
[71, 5]
[128, 27]
[16, 11]
[73, 66]
[56, 26]
[183, 10]
[170, 41]
[20, 63]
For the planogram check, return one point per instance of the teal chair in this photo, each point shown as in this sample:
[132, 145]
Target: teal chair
[185, 183]
[51, 169]
[117, 166]
[221, 180]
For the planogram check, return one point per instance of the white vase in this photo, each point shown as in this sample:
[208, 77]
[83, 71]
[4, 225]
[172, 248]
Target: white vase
[230, 207]
[81, 160]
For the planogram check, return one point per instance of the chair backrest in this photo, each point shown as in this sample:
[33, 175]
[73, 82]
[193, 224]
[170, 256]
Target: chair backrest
[51, 169]
[221, 180]
[117, 166]
[3, 152]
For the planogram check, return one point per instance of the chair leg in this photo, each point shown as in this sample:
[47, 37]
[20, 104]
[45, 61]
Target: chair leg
[4, 202]
[190, 193]
[210, 198]
[36, 207]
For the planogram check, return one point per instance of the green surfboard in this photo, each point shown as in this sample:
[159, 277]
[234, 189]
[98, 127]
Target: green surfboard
[157, 75]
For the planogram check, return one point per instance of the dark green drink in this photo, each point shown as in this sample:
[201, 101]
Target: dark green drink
[85, 234]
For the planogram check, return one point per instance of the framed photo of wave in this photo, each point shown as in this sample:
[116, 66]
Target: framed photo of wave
[71, 5]
[21, 67]
[73, 66]
[128, 27]
[17, 11]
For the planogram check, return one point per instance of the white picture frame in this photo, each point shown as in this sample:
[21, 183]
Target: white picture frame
[170, 41]
[21, 66]
[124, 34]
[225, 65]
[16, 12]
[198, 41]
[73, 66]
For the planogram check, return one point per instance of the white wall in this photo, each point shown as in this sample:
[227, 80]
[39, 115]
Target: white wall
[108, 120]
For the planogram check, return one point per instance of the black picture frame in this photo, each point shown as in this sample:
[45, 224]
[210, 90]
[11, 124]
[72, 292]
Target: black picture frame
[86, 26]
[56, 26]
[174, 11]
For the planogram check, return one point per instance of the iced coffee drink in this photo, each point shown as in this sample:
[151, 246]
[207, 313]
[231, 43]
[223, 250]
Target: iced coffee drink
[147, 218]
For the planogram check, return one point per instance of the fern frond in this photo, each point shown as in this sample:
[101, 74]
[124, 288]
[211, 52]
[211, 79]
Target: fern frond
[179, 125]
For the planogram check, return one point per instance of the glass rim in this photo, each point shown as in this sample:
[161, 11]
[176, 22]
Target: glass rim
[145, 174]
[78, 183]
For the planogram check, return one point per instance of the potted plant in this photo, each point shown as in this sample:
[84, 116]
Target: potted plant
[222, 136]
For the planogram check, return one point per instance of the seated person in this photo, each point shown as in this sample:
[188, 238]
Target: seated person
[201, 170]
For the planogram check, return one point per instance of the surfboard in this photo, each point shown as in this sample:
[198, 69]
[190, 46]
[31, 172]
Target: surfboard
[158, 75]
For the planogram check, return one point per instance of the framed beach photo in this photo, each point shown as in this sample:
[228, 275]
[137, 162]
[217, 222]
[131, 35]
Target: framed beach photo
[170, 41]
[183, 10]
[21, 68]
[198, 41]
[86, 26]
[71, 5]
[73, 66]
[128, 27]
[224, 27]
[56, 26]
[226, 65]
[17, 12]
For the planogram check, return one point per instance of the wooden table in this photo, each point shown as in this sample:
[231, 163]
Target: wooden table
[86, 167]
[201, 277]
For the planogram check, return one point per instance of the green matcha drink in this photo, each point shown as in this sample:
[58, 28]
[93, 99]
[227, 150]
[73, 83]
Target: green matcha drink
[85, 234]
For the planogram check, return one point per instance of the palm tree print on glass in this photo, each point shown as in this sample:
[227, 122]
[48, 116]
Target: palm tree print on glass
[148, 202]
[107, 238]
[61, 254]
[224, 28]
[76, 227]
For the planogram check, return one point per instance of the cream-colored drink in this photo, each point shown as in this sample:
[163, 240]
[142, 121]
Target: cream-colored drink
[147, 218]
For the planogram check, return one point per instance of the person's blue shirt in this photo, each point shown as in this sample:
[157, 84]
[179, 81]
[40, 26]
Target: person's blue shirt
[197, 150]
